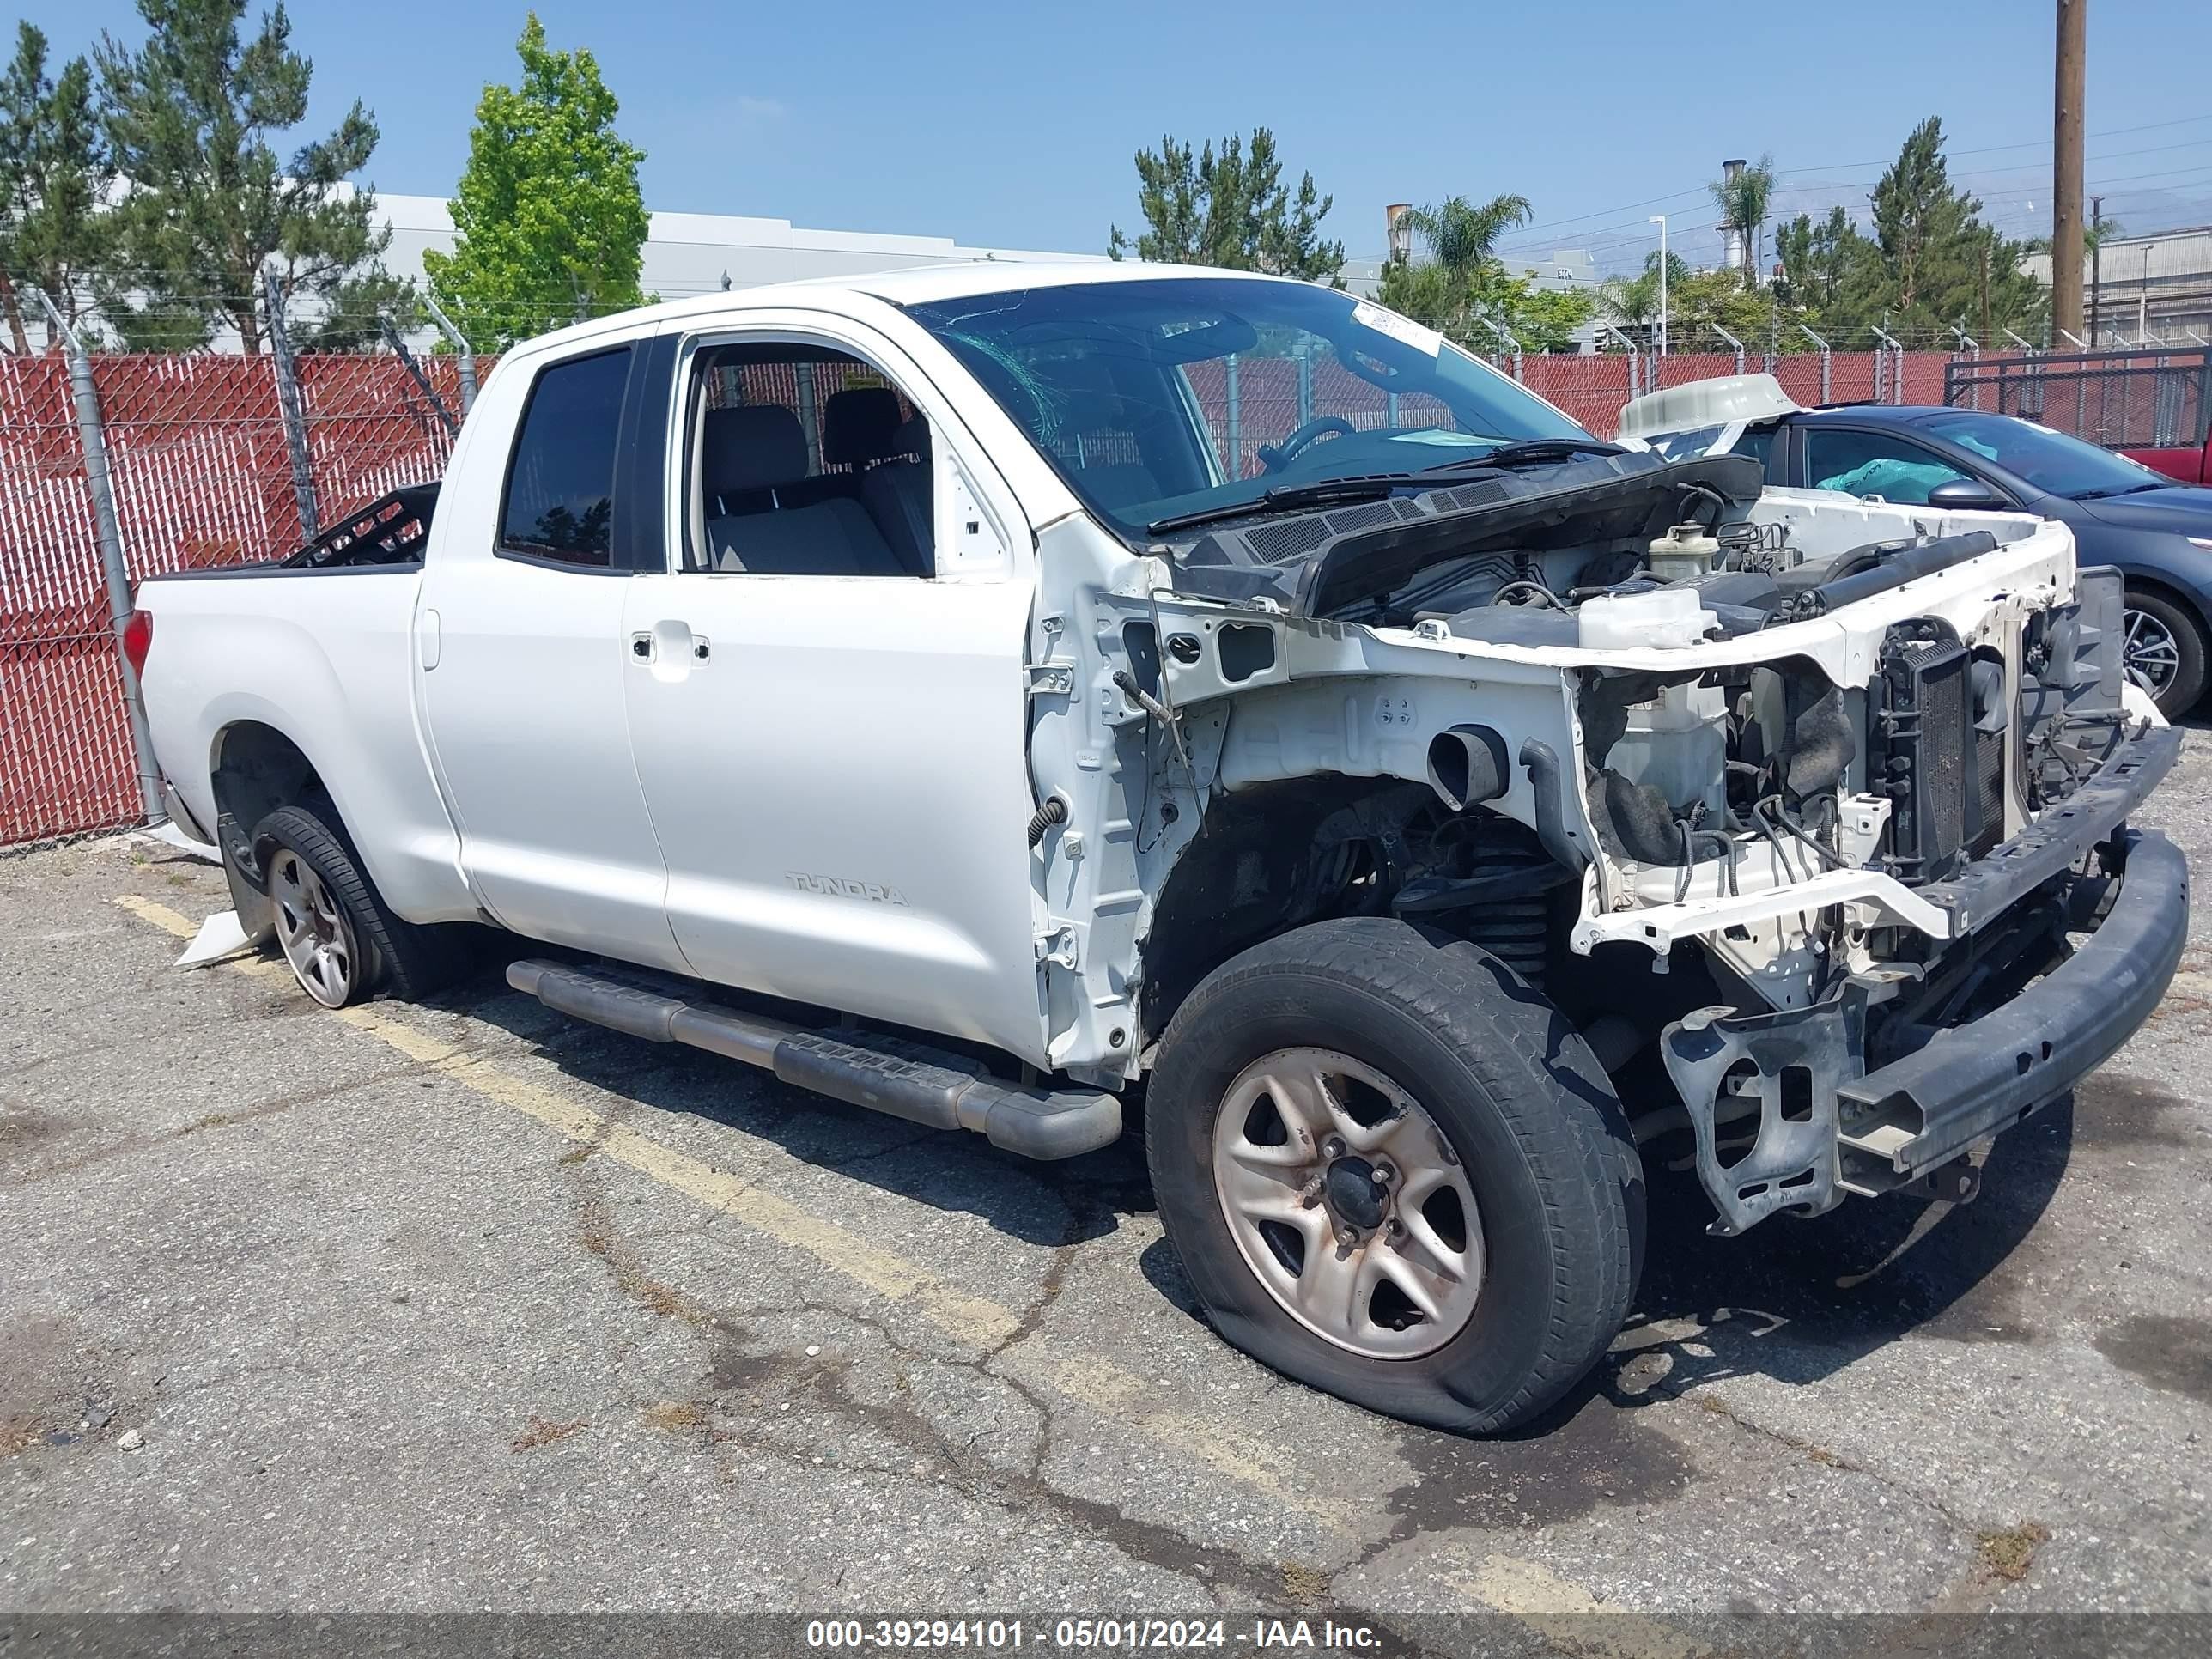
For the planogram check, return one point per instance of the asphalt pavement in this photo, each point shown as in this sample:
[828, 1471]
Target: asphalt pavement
[460, 1306]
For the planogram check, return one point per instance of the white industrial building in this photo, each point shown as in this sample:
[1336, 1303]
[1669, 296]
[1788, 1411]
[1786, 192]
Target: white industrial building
[688, 253]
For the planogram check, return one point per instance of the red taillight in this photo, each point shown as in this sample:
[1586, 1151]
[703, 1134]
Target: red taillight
[138, 639]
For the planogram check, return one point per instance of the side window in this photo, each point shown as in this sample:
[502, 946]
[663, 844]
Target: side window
[806, 461]
[1873, 464]
[561, 479]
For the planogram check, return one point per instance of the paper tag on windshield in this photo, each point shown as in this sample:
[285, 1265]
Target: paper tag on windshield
[1406, 333]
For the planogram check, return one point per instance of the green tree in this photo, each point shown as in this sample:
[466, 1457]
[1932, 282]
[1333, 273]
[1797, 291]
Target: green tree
[1916, 210]
[192, 118]
[1229, 207]
[1822, 263]
[549, 222]
[1743, 202]
[1462, 307]
[1461, 235]
[1463, 287]
[1940, 264]
[54, 176]
[1633, 302]
[351, 319]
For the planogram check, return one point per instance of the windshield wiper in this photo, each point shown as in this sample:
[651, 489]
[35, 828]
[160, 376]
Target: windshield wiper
[2106, 494]
[1375, 486]
[1319, 493]
[1534, 451]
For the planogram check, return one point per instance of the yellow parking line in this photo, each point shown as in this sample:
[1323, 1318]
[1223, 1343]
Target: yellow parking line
[1081, 1377]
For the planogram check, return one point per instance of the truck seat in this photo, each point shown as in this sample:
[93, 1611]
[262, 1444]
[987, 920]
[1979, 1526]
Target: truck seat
[896, 493]
[753, 472]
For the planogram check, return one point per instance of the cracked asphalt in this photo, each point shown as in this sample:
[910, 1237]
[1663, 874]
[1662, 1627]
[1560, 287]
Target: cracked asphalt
[460, 1306]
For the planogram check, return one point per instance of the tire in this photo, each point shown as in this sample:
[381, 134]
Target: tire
[1535, 1134]
[327, 908]
[2164, 650]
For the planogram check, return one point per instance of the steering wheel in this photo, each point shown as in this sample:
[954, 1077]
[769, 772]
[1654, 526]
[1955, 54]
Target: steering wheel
[1275, 457]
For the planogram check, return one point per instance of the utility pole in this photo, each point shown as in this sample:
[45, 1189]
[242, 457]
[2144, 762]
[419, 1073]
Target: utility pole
[2096, 264]
[2066, 135]
[1660, 220]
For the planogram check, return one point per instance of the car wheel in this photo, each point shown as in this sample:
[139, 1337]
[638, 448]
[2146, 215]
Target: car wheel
[2163, 650]
[341, 942]
[1392, 1171]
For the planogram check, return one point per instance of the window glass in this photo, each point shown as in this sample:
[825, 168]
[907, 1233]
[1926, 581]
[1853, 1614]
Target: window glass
[560, 485]
[807, 462]
[1874, 464]
[2051, 461]
[1158, 397]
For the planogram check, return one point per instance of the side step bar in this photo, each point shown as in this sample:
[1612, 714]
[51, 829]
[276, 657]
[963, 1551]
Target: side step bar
[862, 1068]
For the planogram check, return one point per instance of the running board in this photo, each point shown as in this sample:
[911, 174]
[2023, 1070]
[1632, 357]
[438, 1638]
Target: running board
[863, 1068]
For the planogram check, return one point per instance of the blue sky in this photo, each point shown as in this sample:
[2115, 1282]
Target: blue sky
[1014, 124]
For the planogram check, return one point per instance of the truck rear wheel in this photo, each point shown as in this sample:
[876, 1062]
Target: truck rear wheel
[341, 942]
[1392, 1171]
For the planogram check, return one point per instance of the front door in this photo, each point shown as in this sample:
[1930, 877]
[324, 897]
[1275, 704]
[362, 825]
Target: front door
[828, 718]
[522, 659]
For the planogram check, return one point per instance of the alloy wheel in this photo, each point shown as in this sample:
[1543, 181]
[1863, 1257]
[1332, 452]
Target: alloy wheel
[315, 933]
[2150, 654]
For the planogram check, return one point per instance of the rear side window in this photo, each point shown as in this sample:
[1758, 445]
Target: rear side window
[560, 483]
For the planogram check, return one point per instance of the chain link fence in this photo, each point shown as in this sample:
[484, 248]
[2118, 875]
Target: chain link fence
[218, 458]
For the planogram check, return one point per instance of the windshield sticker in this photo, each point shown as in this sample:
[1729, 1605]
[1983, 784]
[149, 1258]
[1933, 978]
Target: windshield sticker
[1444, 437]
[1425, 340]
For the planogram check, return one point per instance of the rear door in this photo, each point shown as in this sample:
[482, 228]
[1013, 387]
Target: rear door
[826, 692]
[523, 658]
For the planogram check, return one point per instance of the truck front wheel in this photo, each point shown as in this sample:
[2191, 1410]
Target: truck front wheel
[1394, 1171]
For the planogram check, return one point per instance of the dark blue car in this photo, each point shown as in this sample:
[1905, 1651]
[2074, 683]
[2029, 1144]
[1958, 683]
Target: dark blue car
[2158, 532]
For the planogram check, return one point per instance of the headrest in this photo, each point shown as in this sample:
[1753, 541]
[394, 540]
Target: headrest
[750, 447]
[857, 424]
[912, 437]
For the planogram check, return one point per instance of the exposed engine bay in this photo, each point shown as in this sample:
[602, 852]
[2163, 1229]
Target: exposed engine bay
[1775, 791]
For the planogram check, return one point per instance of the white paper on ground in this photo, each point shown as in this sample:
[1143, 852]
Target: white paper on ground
[168, 832]
[219, 936]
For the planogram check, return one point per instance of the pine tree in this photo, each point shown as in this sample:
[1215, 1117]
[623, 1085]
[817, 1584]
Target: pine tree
[191, 117]
[1229, 207]
[549, 222]
[54, 176]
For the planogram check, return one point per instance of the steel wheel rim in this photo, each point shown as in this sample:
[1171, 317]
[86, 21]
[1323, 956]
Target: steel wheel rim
[316, 936]
[1388, 1263]
[2148, 652]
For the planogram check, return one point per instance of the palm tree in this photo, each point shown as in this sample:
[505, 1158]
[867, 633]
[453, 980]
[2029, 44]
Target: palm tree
[1462, 238]
[1633, 302]
[1743, 202]
[1462, 235]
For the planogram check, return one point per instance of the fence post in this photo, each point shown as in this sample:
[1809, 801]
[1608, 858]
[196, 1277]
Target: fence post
[1732, 341]
[1236, 422]
[415, 373]
[462, 350]
[101, 484]
[289, 404]
[1825, 358]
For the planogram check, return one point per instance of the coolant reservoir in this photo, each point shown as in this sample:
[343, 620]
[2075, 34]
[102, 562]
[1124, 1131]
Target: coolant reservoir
[1684, 553]
[1669, 616]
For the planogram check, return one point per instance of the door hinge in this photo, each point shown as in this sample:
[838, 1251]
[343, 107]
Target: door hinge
[1053, 679]
[1058, 947]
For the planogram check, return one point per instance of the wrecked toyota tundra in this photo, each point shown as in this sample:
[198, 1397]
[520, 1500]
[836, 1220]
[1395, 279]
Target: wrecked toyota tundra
[1009, 697]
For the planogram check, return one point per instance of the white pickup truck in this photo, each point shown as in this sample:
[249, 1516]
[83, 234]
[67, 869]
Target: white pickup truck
[1001, 696]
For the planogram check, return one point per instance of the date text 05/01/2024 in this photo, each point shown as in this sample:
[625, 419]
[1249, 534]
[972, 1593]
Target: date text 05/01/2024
[988, 1635]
